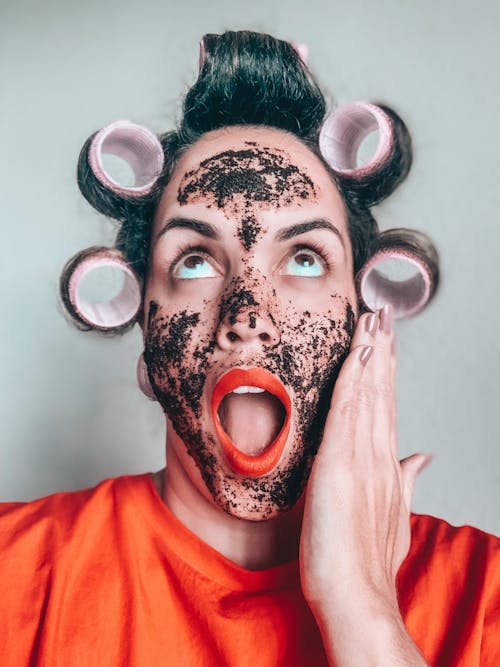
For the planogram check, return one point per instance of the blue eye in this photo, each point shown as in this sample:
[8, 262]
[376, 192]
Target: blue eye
[194, 266]
[304, 263]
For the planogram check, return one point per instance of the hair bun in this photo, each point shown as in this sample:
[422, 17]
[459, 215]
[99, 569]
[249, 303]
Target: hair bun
[247, 78]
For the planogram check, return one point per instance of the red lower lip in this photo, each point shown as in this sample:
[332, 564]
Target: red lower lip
[251, 466]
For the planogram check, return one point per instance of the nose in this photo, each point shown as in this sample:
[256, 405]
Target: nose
[246, 329]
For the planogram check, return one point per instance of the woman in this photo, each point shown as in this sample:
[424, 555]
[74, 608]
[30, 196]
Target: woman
[279, 532]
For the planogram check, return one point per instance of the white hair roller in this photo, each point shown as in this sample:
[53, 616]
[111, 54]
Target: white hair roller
[385, 278]
[343, 132]
[134, 144]
[113, 314]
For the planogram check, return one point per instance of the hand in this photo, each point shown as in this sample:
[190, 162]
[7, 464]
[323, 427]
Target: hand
[356, 528]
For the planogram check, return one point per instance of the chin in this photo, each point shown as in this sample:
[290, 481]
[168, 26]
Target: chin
[261, 498]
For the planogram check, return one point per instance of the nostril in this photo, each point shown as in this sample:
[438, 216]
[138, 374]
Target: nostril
[265, 337]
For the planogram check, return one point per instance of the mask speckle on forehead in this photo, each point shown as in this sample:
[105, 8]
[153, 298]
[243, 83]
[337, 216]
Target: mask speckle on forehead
[240, 181]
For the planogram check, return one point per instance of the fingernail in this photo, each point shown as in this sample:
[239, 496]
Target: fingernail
[386, 318]
[372, 324]
[366, 353]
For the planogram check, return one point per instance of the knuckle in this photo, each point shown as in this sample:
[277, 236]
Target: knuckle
[383, 389]
[348, 409]
[366, 397]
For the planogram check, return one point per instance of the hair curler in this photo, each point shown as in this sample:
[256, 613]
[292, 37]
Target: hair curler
[343, 132]
[143, 379]
[139, 149]
[404, 274]
[114, 315]
[202, 56]
[302, 51]
[341, 136]
[134, 144]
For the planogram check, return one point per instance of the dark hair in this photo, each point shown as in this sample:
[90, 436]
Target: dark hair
[249, 78]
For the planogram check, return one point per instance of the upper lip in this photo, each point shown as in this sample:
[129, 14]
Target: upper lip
[256, 377]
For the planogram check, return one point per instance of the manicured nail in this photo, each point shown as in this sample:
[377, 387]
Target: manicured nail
[386, 318]
[366, 353]
[372, 324]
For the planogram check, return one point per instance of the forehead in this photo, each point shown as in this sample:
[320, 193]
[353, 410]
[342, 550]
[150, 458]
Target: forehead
[265, 165]
[241, 172]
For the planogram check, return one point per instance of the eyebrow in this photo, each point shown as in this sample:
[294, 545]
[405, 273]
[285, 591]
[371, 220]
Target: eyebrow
[203, 228]
[209, 231]
[307, 226]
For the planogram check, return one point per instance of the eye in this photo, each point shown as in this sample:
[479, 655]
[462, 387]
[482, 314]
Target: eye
[304, 262]
[194, 265]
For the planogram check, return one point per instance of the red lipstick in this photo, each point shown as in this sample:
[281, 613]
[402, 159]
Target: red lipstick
[251, 466]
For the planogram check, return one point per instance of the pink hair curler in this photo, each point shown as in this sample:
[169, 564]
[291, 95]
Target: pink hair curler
[202, 57]
[134, 144]
[302, 51]
[384, 279]
[143, 379]
[113, 314]
[343, 132]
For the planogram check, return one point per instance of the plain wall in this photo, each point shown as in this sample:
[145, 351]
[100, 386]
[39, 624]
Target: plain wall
[71, 413]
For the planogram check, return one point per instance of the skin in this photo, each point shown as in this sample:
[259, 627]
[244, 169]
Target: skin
[248, 311]
[346, 504]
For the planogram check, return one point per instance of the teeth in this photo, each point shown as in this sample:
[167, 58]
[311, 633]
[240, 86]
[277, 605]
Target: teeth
[248, 390]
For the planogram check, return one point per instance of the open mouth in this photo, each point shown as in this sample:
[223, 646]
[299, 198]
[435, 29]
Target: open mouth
[251, 413]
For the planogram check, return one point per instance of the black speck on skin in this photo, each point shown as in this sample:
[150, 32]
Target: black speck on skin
[239, 181]
[307, 360]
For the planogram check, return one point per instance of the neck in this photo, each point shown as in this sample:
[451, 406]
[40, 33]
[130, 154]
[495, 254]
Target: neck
[254, 545]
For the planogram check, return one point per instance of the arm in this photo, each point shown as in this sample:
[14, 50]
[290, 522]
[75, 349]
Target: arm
[356, 527]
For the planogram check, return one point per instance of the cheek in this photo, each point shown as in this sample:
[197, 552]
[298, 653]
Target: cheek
[176, 353]
[314, 332]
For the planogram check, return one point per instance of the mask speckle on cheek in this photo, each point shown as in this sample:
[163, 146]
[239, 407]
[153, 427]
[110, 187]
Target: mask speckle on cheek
[177, 362]
[310, 365]
[307, 359]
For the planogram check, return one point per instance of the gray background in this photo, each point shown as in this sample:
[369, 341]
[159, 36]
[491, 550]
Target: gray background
[70, 410]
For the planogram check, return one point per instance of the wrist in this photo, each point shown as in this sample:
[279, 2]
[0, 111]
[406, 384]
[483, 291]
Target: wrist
[355, 603]
[371, 634]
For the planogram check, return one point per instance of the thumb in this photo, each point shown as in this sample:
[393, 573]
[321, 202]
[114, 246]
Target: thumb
[410, 467]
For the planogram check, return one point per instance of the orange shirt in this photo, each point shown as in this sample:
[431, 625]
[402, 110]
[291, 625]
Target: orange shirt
[109, 577]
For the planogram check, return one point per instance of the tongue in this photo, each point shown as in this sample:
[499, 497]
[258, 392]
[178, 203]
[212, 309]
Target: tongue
[252, 421]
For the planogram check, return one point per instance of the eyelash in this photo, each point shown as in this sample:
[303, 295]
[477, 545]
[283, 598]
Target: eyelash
[189, 249]
[319, 249]
[313, 246]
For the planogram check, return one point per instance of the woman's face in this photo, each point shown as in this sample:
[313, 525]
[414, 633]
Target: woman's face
[250, 270]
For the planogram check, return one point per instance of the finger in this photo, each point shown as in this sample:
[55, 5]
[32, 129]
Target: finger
[377, 387]
[411, 466]
[341, 420]
[366, 329]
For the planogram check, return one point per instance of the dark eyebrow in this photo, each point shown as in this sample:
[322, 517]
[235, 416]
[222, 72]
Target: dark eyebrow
[303, 227]
[203, 228]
